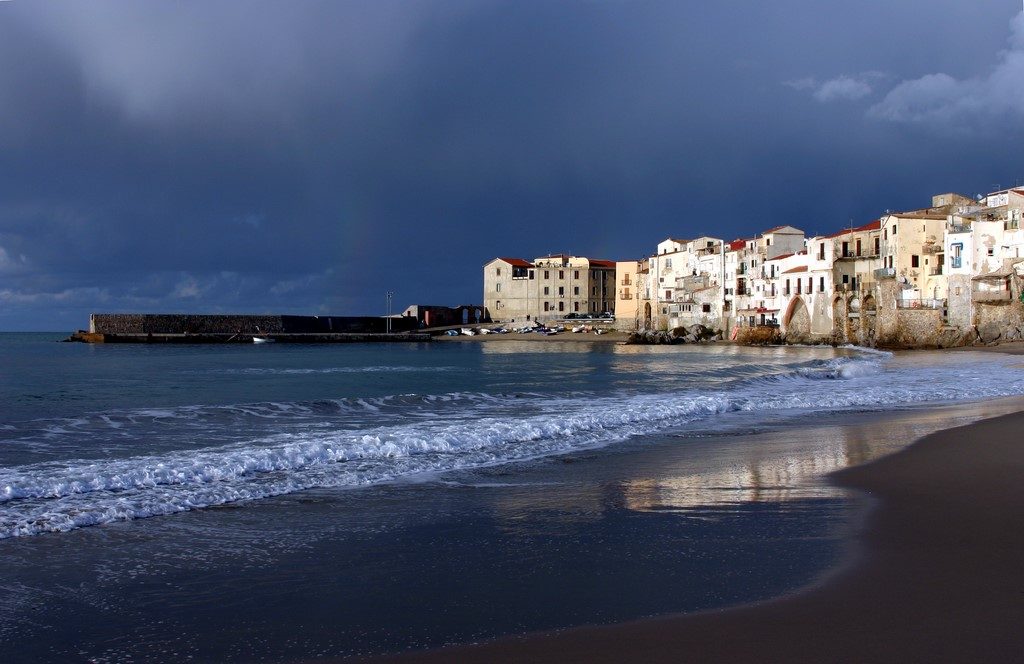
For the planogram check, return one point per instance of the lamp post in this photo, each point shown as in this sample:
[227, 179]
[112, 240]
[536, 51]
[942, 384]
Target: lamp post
[389, 295]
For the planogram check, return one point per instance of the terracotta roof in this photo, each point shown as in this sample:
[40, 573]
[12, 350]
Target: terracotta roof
[598, 263]
[737, 244]
[802, 268]
[779, 258]
[872, 226]
[516, 262]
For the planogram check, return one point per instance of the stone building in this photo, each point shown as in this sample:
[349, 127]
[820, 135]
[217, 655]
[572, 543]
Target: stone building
[549, 287]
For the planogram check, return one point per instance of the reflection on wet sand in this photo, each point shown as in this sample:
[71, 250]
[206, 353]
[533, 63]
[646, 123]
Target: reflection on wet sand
[697, 475]
[791, 462]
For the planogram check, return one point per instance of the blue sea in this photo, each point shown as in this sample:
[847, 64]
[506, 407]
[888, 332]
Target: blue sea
[285, 502]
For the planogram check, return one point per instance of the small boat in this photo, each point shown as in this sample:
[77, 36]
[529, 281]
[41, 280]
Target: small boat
[262, 340]
[468, 332]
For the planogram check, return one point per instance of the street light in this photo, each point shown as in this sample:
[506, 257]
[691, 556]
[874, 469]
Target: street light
[389, 296]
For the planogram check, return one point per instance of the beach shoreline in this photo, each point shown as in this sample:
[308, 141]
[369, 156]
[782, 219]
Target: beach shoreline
[932, 574]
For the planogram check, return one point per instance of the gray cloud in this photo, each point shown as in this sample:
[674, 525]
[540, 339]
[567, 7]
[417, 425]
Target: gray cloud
[307, 157]
[946, 102]
[845, 87]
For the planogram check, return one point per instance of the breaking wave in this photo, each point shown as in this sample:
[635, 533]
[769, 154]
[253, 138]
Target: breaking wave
[454, 431]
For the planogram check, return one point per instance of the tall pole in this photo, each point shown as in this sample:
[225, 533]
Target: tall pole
[389, 294]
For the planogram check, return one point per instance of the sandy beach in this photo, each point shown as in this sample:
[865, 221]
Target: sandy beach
[935, 574]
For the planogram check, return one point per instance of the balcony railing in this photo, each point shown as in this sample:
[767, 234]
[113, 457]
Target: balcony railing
[935, 271]
[991, 296]
[933, 248]
[625, 282]
[921, 303]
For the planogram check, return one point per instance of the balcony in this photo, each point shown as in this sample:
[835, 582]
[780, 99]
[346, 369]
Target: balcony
[883, 272]
[625, 296]
[922, 303]
[933, 248]
[991, 296]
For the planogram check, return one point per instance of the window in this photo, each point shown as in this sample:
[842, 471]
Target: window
[545, 306]
[561, 274]
[846, 250]
[846, 279]
[821, 253]
[575, 306]
[706, 308]
[767, 242]
[561, 291]
[821, 284]
[593, 291]
[799, 286]
[810, 283]
[877, 246]
[497, 287]
[954, 260]
[497, 304]
[991, 251]
[858, 247]
[915, 261]
[894, 230]
[668, 262]
[547, 274]
[497, 271]
[561, 306]
[575, 290]
[531, 274]
[547, 290]
[668, 295]
[575, 274]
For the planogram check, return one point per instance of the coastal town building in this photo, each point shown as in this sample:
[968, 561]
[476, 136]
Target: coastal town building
[929, 276]
[548, 287]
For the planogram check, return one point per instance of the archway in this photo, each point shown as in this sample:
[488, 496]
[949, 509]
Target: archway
[647, 315]
[797, 319]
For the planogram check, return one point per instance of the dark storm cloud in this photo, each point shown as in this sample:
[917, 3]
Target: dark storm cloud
[307, 157]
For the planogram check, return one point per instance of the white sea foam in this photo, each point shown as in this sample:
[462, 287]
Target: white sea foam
[54, 497]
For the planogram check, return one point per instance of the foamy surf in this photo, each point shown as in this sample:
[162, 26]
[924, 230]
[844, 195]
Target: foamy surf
[452, 432]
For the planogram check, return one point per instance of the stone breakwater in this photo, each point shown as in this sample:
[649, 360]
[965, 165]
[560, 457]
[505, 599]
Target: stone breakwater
[184, 324]
[222, 328]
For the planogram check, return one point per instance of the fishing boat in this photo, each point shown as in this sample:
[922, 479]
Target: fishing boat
[262, 340]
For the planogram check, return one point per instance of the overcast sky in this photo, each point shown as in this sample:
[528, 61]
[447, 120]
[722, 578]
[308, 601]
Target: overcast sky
[307, 157]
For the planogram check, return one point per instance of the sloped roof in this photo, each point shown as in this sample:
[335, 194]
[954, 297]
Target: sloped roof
[871, 226]
[602, 263]
[516, 262]
[779, 228]
[801, 268]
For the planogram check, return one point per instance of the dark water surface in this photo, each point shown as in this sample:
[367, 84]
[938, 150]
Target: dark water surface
[283, 502]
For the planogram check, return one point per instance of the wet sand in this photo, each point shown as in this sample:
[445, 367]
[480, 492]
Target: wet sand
[937, 575]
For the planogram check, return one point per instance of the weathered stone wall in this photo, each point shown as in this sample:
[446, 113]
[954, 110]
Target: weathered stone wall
[959, 301]
[1001, 321]
[241, 324]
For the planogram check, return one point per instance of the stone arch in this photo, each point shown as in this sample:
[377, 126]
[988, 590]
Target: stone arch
[798, 318]
[647, 315]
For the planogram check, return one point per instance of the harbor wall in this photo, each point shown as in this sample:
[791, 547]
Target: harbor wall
[131, 324]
